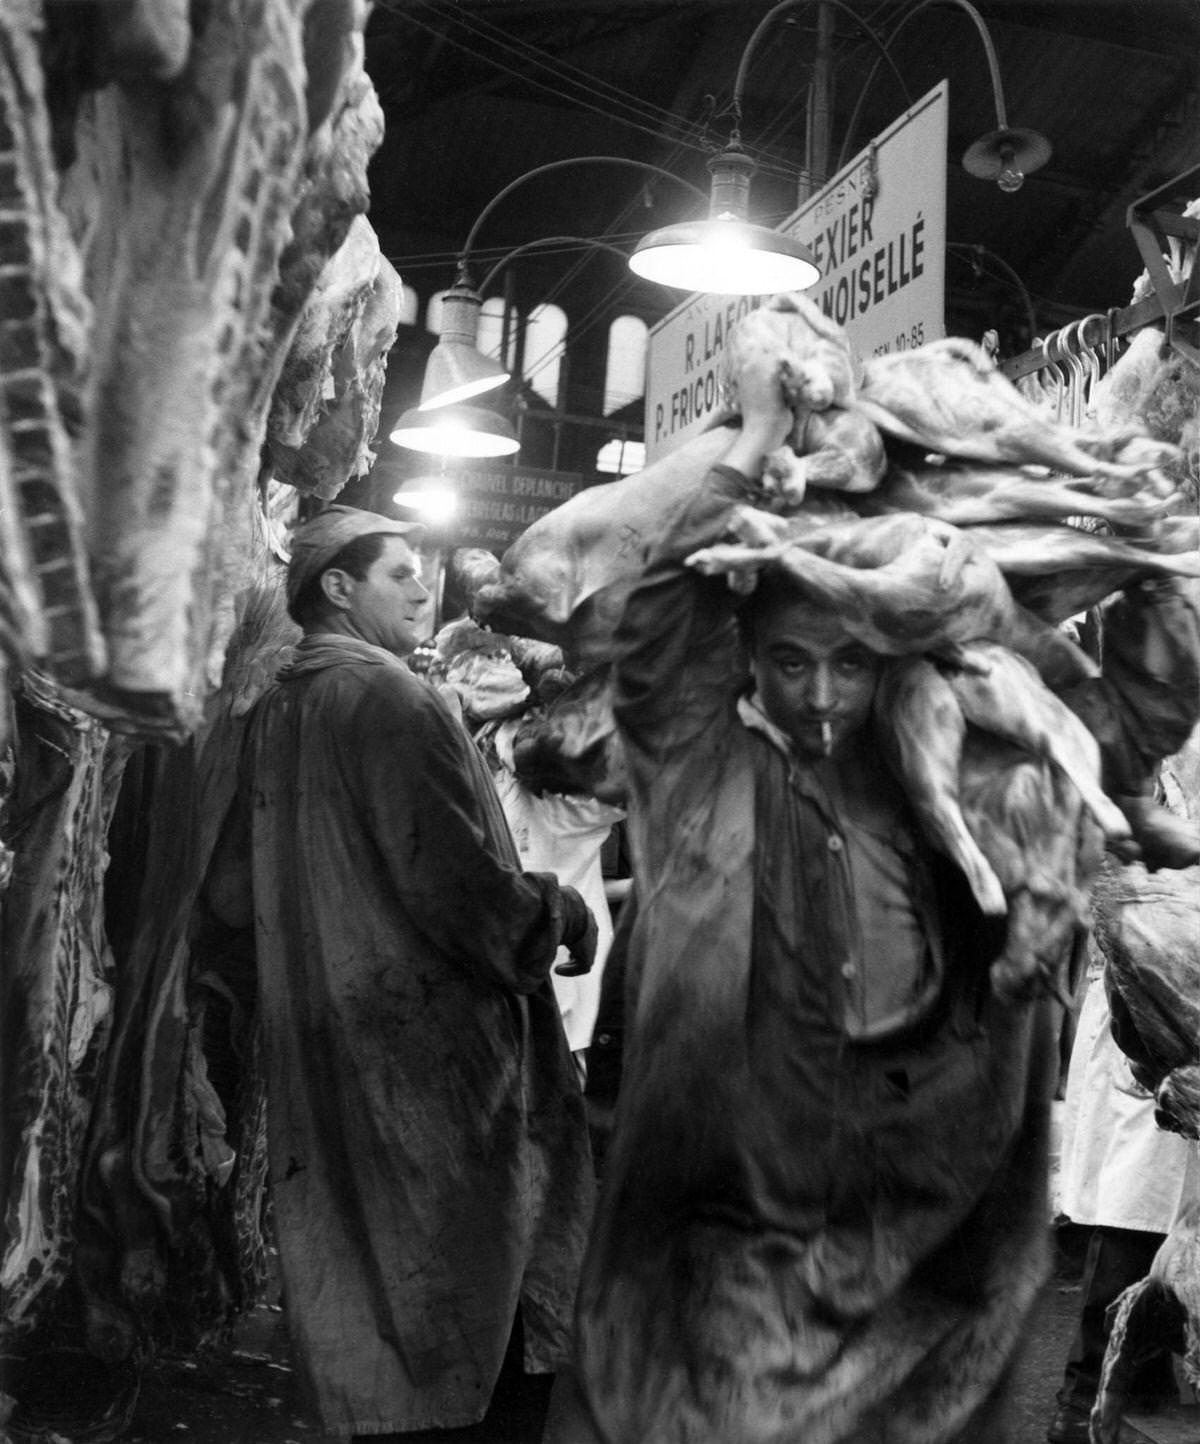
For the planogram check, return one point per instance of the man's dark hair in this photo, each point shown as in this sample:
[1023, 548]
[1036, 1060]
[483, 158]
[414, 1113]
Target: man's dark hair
[310, 604]
[774, 589]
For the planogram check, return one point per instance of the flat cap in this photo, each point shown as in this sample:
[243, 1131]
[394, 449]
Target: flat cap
[318, 541]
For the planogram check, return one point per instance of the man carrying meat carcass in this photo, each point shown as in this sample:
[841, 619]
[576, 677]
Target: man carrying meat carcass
[824, 1210]
[429, 1167]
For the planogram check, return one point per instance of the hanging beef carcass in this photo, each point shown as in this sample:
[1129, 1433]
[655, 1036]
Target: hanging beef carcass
[325, 407]
[208, 208]
[47, 610]
[58, 986]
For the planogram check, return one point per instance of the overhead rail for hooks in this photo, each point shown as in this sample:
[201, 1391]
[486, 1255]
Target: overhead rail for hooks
[1173, 302]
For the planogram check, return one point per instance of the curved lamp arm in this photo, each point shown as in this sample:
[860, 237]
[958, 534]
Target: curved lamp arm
[739, 82]
[537, 245]
[642, 165]
[977, 252]
[989, 50]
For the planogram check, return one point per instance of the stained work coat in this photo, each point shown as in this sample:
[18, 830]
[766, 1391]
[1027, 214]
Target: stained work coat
[803, 1237]
[428, 1156]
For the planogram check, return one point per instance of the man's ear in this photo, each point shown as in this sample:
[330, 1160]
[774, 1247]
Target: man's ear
[338, 587]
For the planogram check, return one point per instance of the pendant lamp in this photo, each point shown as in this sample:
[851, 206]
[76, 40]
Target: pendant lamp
[457, 370]
[456, 431]
[727, 254]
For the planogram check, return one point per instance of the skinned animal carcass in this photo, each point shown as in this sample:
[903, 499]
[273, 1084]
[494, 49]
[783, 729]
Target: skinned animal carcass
[948, 397]
[58, 985]
[970, 494]
[922, 715]
[48, 614]
[1042, 843]
[831, 444]
[206, 209]
[325, 408]
[1147, 926]
[903, 584]
[571, 745]
[565, 578]
[1160, 1312]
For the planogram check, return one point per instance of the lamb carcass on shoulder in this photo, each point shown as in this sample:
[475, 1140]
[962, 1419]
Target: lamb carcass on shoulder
[971, 493]
[948, 397]
[922, 712]
[831, 444]
[904, 584]
[1057, 571]
[1046, 849]
[565, 578]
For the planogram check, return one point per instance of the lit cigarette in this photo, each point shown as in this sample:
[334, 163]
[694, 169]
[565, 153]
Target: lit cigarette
[826, 738]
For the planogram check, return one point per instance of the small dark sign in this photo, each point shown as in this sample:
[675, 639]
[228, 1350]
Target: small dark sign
[497, 503]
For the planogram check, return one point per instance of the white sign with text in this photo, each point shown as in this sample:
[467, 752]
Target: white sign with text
[878, 233]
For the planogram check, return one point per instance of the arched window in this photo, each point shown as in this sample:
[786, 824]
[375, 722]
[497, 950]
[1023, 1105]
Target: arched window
[545, 342]
[433, 313]
[620, 456]
[625, 368]
[490, 337]
[410, 306]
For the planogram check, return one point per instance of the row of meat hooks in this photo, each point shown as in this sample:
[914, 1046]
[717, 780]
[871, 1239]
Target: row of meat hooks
[1076, 356]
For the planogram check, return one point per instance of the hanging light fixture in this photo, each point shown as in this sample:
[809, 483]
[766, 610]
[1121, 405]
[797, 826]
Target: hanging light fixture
[1005, 155]
[456, 431]
[727, 254]
[457, 370]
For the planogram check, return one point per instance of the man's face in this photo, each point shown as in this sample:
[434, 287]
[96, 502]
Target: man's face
[814, 682]
[387, 606]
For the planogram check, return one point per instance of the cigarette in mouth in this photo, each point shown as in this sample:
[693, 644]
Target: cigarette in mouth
[826, 738]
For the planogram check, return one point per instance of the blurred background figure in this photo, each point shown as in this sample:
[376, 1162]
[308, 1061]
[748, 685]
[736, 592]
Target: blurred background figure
[503, 685]
[1126, 1180]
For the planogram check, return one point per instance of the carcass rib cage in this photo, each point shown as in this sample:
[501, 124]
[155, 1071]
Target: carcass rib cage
[47, 611]
[57, 983]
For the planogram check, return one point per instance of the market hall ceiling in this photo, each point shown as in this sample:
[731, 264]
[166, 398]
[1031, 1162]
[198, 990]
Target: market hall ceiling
[476, 94]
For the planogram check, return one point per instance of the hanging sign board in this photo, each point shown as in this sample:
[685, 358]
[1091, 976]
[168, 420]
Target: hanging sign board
[497, 503]
[878, 233]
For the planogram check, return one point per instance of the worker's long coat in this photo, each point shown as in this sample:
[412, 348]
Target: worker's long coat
[428, 1156]
[802, 1239]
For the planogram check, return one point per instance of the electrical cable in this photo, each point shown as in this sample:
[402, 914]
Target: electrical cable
[663, 125]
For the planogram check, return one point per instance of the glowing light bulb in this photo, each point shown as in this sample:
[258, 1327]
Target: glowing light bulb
[1010, 178]
[435, 504]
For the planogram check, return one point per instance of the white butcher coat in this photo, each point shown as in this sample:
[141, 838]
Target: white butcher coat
[1118, 1168]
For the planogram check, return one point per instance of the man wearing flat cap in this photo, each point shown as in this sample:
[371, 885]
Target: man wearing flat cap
[429, 1168]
